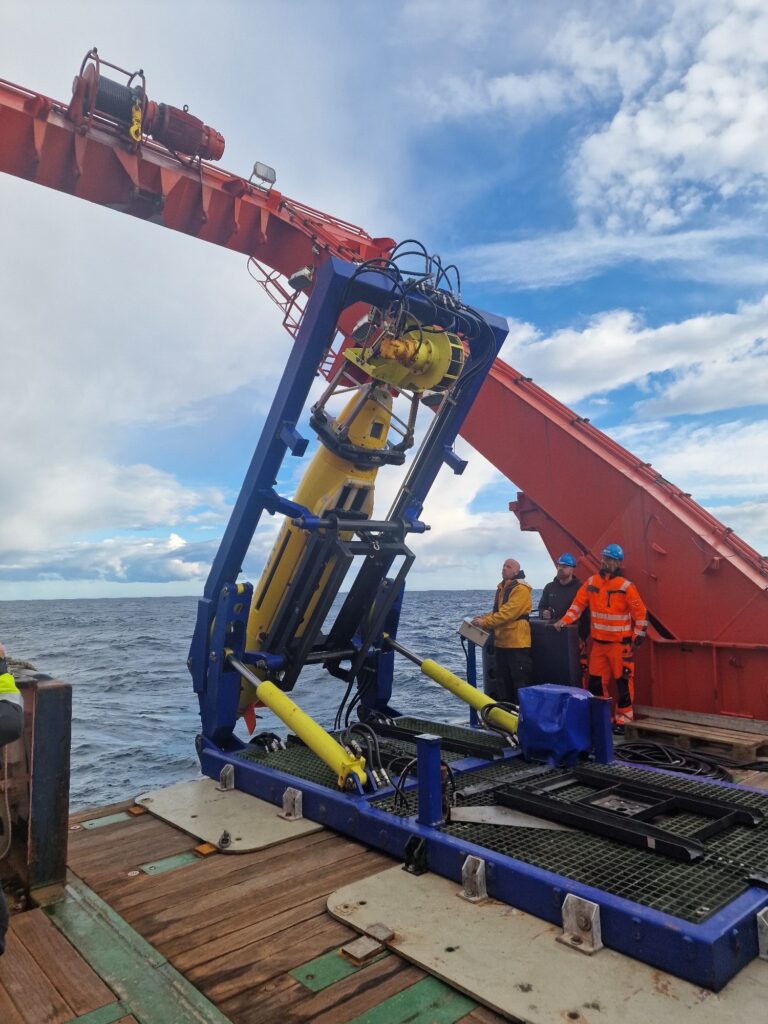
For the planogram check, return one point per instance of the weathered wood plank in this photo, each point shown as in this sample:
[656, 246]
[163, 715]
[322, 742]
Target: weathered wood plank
[79, 985]
[248, 968]
[8, 1012]
[101, 811]
[217, 903]
[216, 871]
[34, 996]
[754, 725]
[360, 992]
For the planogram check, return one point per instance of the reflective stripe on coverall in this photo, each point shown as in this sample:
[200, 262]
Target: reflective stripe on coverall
[614, 605]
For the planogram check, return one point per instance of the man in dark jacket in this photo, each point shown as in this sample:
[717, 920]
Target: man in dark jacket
[11, 727]
[558, 595]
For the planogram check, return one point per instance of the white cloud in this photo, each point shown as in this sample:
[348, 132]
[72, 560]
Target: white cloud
[563, 257]
[688, 141]
[715, 462]
[715, 361]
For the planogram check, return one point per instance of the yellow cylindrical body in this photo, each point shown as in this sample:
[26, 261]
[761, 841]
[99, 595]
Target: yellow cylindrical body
[329, 483]
[469, 694]
[316, 738]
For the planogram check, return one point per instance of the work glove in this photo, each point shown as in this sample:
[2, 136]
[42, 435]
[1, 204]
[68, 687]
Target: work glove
[637, 641]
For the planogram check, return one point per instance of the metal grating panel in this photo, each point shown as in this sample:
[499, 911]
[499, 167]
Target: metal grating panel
[300, 761]
[692, 892]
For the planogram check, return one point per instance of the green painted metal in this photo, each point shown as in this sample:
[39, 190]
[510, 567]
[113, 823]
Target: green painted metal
[327, 969]
[153, 990]
[159, 867]
[104, 1015]
[108, 819]
[429, 1001]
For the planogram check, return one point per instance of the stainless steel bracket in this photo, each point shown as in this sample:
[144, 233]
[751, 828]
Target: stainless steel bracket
[581, 925]
[227, 777]
[762, 933]
[291, 805]
[473, 880]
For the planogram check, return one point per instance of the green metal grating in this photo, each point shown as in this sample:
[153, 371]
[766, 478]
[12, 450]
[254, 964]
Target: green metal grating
[692, 892]
[299, 760]
[491, 740]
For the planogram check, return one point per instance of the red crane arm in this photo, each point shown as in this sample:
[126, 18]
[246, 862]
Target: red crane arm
[102, 165]
[706, 589]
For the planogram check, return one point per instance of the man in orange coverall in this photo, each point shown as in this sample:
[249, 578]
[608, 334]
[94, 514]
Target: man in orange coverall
[619, 624]
[511, 630]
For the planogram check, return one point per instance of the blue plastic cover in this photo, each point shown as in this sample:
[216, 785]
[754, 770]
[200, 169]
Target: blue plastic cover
[554, 723]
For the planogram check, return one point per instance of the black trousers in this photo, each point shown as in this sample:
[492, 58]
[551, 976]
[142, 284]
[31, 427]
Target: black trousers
[514, 669]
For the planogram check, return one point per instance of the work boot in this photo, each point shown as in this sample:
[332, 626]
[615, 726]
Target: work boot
[618, 730]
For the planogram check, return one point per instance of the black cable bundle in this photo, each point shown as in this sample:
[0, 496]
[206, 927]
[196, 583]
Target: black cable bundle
[658, 755]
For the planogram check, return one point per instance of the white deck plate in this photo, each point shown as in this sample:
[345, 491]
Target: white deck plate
[205, 811]
[512, 962]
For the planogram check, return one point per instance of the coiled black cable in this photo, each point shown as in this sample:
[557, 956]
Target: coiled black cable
[659, 755]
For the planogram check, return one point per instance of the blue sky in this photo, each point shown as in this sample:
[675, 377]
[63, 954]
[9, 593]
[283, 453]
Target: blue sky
[598, 171]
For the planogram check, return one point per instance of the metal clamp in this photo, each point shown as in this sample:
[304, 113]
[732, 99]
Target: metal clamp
[581, 925]
[292, 801]
[473, 880]
[762, 933]
[227, 778]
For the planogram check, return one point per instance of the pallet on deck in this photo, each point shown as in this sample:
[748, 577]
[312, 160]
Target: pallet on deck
[739, 746]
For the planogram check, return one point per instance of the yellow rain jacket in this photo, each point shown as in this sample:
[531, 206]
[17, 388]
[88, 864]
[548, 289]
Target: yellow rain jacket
[509, 618]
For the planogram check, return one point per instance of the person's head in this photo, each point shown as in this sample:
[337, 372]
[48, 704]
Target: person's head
[511, 570]
[3, 662]
[566, 563]
[611, 558]
[2, 650]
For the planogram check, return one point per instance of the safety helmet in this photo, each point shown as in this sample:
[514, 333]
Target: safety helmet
[567, 559]
[614, 551]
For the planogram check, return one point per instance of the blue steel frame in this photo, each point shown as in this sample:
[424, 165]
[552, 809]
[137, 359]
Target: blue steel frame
[707, 954]
[223, 610]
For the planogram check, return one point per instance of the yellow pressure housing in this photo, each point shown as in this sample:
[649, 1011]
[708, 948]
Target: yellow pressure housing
[329, 483]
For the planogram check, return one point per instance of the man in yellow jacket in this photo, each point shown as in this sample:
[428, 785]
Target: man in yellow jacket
[11, 727]
[511, 630]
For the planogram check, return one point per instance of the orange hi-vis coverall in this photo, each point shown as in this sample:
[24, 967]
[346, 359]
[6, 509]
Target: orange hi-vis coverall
[614, 604]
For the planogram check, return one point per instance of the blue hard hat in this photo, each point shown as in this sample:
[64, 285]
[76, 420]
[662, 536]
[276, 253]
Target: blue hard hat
[567, 559]
[614, 551]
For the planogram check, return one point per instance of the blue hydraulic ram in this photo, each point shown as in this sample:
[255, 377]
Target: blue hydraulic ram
[425, 792]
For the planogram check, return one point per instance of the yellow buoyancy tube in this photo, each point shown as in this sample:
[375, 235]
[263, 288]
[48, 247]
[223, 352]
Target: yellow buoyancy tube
[329, 483]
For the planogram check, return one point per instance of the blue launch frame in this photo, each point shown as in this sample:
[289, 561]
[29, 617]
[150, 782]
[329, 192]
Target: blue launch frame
[707, 954]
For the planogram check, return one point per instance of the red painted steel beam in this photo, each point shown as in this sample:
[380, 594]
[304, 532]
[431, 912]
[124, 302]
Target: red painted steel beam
[581, 490]
[38, 142]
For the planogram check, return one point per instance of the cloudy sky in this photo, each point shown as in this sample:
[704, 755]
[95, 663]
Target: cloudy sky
[598, 170]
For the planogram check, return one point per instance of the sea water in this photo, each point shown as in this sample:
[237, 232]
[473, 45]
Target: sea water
[135, 716]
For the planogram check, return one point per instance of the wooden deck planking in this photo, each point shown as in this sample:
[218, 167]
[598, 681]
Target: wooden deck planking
[139, 890]
[343, 1001]
[43, 978]
[236, 925]
[114, 850]
[80, 987]
[215, 904]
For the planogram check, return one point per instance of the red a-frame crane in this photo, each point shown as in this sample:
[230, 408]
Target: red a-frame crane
[706, 589]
